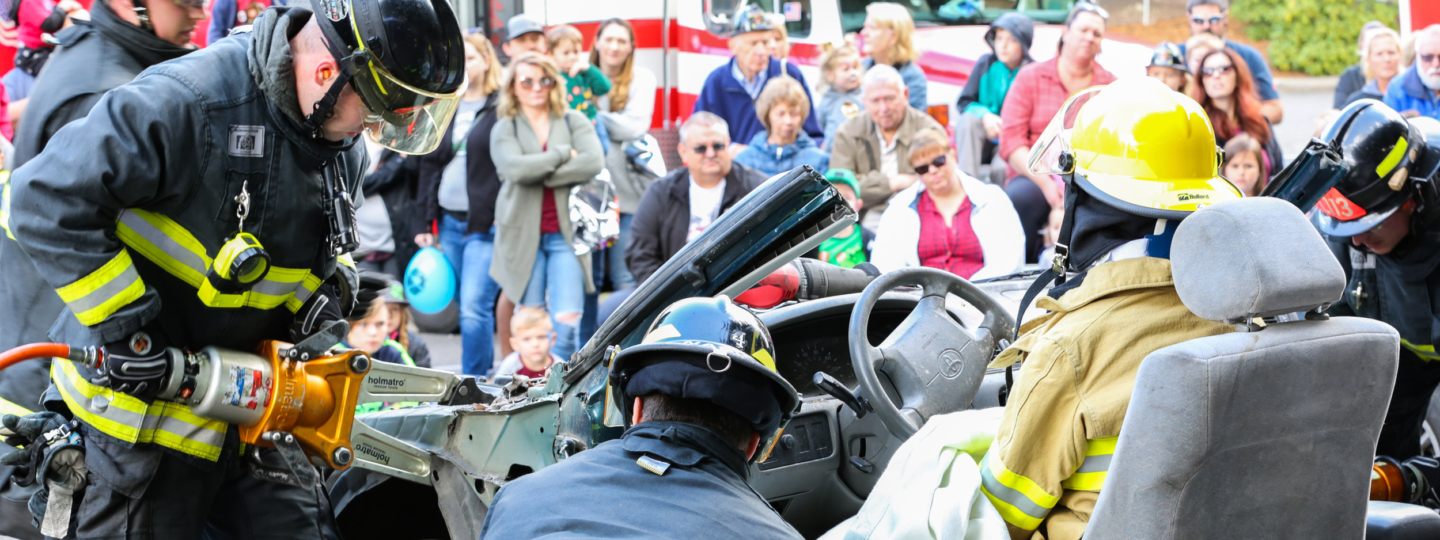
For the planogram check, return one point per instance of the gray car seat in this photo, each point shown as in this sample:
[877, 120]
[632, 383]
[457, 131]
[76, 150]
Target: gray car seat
[1268, 432]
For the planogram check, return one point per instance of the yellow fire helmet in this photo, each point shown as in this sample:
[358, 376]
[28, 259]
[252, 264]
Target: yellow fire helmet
[1138, 146]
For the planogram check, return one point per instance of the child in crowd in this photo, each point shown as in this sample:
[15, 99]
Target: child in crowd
[851, 246]
[783, 145]
[398, 330]
[584, 83]
[369, 328]
[840, 67]
[1197, 46]
[1245, 165]
[1052, 235]
[532, 335]
[1167, 64]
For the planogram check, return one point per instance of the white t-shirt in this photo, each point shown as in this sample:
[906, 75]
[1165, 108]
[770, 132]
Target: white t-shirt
[704, 208]
[889, 155]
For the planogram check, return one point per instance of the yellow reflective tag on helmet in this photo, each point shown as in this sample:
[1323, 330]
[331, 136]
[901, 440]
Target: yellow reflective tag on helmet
[1393, 158]
[764, 357]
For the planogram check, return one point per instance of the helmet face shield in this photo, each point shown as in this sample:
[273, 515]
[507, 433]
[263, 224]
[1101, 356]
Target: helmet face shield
[1045, 155]
[403, 118]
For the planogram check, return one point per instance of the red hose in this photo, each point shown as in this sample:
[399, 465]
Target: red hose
[33, 351]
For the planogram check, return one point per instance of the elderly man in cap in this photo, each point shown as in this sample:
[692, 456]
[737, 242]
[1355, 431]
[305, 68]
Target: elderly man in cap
[523, 34]
[702, 402]
[731, 90]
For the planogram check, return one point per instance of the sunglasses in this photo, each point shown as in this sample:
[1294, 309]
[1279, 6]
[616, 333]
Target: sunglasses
[544, 82]
[1212, 21]
[716, 146]
[924, 168]
[1082, 5]
[1216, 71]
[1428, 58]
[190, 4]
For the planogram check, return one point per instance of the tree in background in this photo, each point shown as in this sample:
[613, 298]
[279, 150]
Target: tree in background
[1316, 37]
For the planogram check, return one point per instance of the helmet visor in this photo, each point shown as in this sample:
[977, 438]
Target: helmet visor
[1051, 153]
[403, 118]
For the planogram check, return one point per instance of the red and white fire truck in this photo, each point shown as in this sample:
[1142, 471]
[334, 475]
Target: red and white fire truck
[672, 40]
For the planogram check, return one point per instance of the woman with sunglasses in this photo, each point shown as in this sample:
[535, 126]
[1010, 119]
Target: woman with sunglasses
[948, 220]
[1226, 91]
[541, 149]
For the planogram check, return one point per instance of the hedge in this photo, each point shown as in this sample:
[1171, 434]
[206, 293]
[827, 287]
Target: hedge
[1317, 37]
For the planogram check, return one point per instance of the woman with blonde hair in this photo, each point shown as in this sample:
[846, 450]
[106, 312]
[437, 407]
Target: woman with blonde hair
[456, 193]
[1380, 62]
[541, 149]
[948, 220]
[627, 113]
[889, 38]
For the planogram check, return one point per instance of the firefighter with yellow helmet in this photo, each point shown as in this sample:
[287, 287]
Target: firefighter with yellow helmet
[1137, 158]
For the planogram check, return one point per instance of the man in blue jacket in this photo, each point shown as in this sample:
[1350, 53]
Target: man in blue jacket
[731, 90]
[1418, 90]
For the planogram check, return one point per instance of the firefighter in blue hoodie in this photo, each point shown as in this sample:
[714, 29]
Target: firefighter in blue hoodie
[731, 90]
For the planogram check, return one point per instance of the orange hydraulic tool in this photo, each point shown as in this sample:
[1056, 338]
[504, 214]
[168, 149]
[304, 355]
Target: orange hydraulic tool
[277, 392]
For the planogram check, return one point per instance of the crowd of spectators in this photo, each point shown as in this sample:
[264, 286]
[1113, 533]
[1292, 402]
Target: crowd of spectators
[495, 196]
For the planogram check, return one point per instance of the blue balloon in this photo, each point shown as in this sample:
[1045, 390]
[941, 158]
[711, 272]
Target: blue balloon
[429, 281]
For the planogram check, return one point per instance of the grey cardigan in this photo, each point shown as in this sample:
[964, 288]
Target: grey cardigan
[525, 171]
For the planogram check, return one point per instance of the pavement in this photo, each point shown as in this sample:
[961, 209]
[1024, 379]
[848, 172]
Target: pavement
[1304, 99]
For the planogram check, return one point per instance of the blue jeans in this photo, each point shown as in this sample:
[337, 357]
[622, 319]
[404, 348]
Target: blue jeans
[470, 254]
[557, 281]
[620, 275]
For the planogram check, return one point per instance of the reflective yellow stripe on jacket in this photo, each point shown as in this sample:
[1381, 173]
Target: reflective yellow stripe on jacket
[1019, 499]
[1425, 352]
[124, 417]
[167, 244]
[10, 407]
[1091, 474]
[103, 292]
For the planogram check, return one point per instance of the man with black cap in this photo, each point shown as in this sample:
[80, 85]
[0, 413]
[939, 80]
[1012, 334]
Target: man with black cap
[1381, 223]
[730, 90]
[1138, 158]
[702, 402]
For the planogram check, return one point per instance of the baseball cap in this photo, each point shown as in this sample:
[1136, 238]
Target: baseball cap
[520, 25]
[843, 176]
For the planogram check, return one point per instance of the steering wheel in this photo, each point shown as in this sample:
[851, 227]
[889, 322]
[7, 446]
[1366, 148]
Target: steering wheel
[934, 363]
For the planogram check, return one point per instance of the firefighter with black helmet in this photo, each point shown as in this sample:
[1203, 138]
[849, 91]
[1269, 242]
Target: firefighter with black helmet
[211, 202]
[1138, 158]
[1380, 221]
[702, 402]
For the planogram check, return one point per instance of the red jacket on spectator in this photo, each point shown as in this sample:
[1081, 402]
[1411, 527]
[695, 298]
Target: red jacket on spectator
[32, 13]
[1034, 98]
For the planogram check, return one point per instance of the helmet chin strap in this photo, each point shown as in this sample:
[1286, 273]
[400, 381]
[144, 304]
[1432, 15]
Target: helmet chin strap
[142, 13]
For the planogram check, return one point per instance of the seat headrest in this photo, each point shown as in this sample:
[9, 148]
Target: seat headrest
[1252, 257]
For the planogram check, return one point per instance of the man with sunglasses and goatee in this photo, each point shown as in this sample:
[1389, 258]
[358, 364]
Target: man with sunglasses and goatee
[679, 207]
[1211, 16]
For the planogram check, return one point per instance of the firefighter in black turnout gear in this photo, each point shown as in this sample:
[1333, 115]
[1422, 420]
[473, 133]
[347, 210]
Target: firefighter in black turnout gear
[702, 401]
[94, 56]
[211, 202]
[1381, 222]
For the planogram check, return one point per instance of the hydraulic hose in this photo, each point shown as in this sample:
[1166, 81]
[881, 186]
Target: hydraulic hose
[42, 350]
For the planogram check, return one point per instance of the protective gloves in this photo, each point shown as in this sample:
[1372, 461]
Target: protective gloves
[53, 451]
[136, 365]
[322, 307]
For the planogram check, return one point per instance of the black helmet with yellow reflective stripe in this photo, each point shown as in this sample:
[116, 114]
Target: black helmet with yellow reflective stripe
[1382, 152]
[710, 349]
[406, 59]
